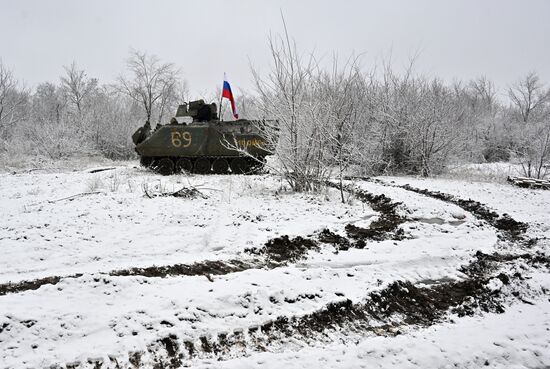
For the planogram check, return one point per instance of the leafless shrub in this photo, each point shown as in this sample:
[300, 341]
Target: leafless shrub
[94, 183]
[114, 181]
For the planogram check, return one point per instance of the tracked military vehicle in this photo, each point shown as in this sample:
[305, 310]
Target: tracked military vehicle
[197, 141]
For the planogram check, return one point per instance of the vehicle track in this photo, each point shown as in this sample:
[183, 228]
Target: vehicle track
[388, 312]
[277, 252]
[397, 307]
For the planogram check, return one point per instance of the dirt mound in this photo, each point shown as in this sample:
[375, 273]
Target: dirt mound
[283, 249]
[426, 305]
[340, 242]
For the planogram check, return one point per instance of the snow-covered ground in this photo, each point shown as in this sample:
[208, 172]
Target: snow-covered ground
[519, 338]
[80, 226]
[525, 205]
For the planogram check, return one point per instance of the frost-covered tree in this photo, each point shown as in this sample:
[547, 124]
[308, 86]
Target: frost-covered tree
[341, 94]
[534, 149]
[419, 122]
[529, 96]
[293, 130]
[152, 84]
[13, 99]
[77, 86]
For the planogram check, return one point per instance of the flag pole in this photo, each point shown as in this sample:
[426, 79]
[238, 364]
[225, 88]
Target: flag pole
[221, 100]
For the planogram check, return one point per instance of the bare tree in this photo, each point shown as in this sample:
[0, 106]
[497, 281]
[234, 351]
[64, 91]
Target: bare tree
[436, 126]
[77, 86]
[419, 122]
[294, 134]
[533, 150]
[528, 95]
[48, 104]
[483, 94]
[12, 101]
[152, 84]
[182, 91]
[342, 96]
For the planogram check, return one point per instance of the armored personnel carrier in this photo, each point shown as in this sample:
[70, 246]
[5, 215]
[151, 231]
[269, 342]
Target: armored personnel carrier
[196, 141]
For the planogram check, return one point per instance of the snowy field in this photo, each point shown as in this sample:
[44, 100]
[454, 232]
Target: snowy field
[108, 269]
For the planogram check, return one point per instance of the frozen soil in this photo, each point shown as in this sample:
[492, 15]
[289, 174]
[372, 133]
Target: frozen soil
[282, 278]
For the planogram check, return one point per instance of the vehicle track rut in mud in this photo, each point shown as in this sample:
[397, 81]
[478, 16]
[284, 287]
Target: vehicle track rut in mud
[510, 228]
[385, 227]
[279, 251]
[386, 312]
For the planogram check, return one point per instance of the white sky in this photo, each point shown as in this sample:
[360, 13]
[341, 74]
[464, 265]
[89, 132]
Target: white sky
[457, 39]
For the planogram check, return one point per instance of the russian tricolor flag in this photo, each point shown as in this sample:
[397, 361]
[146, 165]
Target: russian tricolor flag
[226, 92]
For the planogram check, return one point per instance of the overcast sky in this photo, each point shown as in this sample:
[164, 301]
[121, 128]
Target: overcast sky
[458, 39]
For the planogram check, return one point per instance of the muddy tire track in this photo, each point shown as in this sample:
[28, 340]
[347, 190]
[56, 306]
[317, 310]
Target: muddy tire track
[205, 268]
[511, 229]
[386, 226]
[32, 284]
[388, 312]
[279, 251]
[398, 306]
[402, 304]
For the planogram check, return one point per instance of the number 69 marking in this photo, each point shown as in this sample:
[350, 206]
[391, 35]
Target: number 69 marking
[181, 139]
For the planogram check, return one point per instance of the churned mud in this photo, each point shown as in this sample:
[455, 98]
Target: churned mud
[339, 242]
[385, 312]
[387, 224]
[208, 267]
[283, 249]
[389, 311]
[385, 227]
[276, 252]
[31, 285]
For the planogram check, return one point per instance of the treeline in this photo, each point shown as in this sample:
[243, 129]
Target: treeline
[329, 120]
[320, 120]
[78, 116]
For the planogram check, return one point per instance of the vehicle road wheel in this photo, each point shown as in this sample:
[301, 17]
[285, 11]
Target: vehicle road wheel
[164, 166]
[146, 161]
[185, 165]
[202, 165]
[220, 166]
[239, 166]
